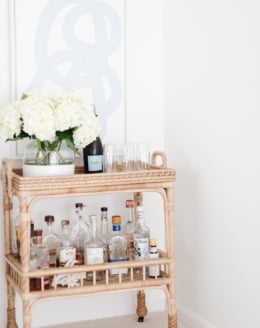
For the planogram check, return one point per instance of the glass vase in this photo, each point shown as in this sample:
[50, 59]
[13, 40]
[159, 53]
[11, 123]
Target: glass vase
[46, 162]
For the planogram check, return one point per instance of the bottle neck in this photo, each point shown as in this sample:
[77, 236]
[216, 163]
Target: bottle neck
[104, 225]
[65, 230]
[79, 213]
[130, 214]
[140, 220]
[94, 230]
[49, 227]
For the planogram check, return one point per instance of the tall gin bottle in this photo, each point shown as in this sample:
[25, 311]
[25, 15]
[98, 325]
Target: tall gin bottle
[104, 232]
[118, 247]
[93, 251]
[141, 236]
[80, 232]
[128, 227]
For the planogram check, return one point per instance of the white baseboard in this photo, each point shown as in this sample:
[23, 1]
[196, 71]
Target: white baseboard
[191, 319]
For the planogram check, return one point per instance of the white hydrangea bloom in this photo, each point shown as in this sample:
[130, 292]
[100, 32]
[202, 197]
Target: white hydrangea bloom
[38, 117]
[88, 130]
[67, 115]
[45, 118]
[10, 122]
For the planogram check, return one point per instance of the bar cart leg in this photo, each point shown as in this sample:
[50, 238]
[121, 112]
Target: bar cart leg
[27, 314]
[172, 316]
[11, 319]
[172, 321]
[141, 309]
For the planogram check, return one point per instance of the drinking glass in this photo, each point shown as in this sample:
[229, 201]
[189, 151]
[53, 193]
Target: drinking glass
[143, 155]
[131, 156]
[115, 158]
[108, 158]
[120, 162]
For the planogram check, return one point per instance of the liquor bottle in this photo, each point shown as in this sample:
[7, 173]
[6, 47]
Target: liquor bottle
[66, 253]
[93, 251]
[128, 227]
[93, 155]
[153, 270]
[80, 233]
[35, 283]
[39, 259]
[50, 239]
[118, 248]
[141, 236]
[104, 232]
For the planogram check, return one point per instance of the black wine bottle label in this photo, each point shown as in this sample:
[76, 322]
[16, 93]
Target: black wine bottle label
[95, 163]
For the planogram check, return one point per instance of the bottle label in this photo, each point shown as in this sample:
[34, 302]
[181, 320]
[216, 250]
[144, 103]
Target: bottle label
[95, 163]
[67, 254]
[116, 227]
[154, 270]
[119, 260]
[117, 271]
[141, 246]
[94, 255]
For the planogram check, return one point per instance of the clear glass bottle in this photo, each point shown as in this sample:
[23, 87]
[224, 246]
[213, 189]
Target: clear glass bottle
[141, 236]
[67, 251]
[35, 283]
[104, 232]
[93, 155]
[50, 239]
[80, 233]
[153, 270]
[118, 248]
[128, 227]
[39, 259]
[93, 251]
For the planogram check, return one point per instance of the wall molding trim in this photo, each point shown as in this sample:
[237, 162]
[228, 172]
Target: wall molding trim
[191, 319]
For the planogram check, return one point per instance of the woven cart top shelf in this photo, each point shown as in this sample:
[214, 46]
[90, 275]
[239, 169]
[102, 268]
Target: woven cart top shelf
[80, 180]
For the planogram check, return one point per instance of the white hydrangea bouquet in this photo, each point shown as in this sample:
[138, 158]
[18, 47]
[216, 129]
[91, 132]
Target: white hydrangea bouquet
[50, 121]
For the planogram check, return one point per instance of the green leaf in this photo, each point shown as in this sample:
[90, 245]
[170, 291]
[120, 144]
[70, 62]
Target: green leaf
[24, 96]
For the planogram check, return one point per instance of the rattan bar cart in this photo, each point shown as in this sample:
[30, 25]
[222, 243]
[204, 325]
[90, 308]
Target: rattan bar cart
[29, 190]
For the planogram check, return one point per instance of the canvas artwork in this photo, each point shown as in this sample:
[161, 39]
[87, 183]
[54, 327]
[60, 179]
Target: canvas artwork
[72, 46]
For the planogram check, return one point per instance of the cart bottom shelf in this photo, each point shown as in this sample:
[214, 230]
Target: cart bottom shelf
[153, 320]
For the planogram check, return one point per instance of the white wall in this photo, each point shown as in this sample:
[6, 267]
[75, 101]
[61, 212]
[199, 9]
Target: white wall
[144, 105]
[211, 137]
[213, 140]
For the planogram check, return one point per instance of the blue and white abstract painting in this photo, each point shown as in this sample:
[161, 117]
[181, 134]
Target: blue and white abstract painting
[73, 45]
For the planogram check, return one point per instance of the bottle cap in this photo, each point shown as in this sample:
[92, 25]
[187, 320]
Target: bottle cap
[65, 222]
[153, 242]
[49, 218]
[116, 219]
[37, 233]
[104, 209]
[79, 205]
[129, 203]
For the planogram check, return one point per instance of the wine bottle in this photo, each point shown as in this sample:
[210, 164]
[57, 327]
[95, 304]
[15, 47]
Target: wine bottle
[93, 155]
